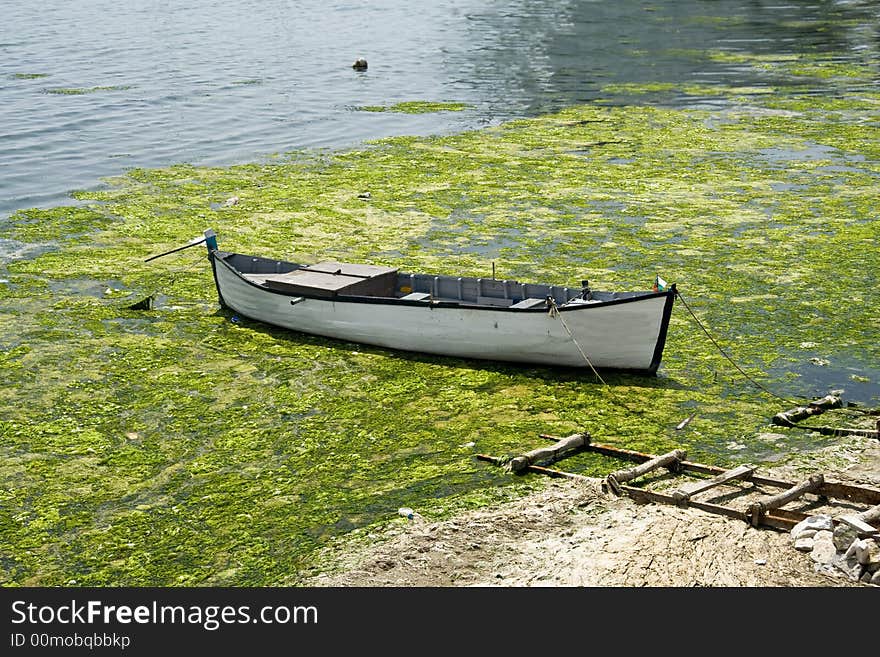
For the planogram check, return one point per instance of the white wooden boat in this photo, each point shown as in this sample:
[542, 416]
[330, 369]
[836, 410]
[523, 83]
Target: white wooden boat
[460, 316]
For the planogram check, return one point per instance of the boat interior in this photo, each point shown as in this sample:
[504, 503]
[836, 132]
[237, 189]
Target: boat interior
[333, 279]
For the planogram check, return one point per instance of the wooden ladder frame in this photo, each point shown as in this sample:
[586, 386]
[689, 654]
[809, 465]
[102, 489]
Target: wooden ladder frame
[765, 512]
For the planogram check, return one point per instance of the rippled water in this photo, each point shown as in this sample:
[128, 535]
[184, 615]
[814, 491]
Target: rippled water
[91, 88]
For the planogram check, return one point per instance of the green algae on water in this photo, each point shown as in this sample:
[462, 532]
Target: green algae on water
[178, 444]
[81, 91]
[416, 107]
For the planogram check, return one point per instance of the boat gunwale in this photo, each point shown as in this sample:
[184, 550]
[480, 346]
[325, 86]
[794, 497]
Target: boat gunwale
[222, 256]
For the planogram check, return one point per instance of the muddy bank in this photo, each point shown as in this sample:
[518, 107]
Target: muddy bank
[573, 534]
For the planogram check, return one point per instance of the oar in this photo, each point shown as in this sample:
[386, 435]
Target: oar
[199, 240]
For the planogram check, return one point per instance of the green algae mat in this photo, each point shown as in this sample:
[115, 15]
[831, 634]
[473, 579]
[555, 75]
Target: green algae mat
[177, 444]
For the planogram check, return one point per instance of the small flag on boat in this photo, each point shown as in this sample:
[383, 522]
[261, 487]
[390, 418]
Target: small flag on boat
[659, 284]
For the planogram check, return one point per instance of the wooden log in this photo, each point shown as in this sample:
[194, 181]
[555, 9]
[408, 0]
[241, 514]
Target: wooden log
[871, 515]
[827, 402]
[681, 425]
[684, 493]
[538, 469]
[757, 510]
[669, 460]
[790, 417]
[562, 448]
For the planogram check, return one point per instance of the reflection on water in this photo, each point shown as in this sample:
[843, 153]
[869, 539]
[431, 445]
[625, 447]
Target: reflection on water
[92, 88]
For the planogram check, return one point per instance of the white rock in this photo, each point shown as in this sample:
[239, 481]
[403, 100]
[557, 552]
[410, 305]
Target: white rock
[867, 552]
[815, 523]
[805, 533]
[804, 544]
[876, 578]
[851, 550]
[823, 548]
[848, 565]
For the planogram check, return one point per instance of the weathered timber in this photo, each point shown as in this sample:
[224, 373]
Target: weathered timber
[670, 460]
[645, 495]
[684, 493]
[860, 494]
[681, 425]
[863, 528]
[765, 513]
[871, 515]
[865, 523]
[538, 469]
[817, 407]
[791, 417]
[689, 466]
[776, 519]
[841, 431]
[562, 448]
[757, 510]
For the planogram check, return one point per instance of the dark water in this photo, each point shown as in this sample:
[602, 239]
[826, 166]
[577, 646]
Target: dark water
[91, 88]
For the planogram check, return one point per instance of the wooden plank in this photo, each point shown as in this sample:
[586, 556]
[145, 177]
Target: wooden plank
[643, 495]
[688, 490]
[531, 302]
[782, 521]
[861, 526]
[416, 296]
[770, 515]
[351, 269]
[833, 489]
[860, 494]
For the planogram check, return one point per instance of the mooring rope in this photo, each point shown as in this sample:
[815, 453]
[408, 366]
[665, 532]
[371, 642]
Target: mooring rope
[725, 354]
[554, 312]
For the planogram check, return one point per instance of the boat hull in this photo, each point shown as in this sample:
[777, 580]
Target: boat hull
[626, 334]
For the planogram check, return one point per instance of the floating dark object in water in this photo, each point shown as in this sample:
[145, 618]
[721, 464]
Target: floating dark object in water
[360, 64]
[143, 304]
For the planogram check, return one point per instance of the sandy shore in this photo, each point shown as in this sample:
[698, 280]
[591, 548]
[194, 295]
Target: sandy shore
[573, 534]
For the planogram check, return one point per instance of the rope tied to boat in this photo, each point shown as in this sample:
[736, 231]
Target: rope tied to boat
[725, 354]
[554, 312]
